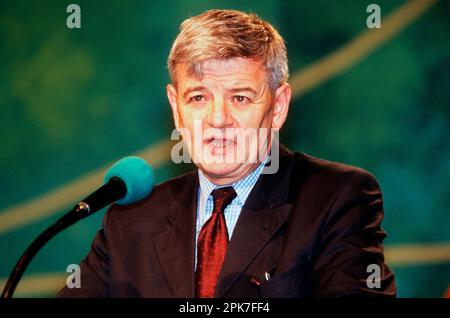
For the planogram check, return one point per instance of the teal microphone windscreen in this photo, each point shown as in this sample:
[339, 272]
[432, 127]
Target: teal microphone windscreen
[137, 175]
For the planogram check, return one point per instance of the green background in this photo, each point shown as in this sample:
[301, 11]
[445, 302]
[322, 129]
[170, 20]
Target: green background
[73, 100]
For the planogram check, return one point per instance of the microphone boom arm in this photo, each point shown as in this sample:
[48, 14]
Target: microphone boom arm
[113, 190]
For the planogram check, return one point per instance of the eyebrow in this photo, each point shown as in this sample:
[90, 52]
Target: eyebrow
[243, 89]
[232, 90]
[193, 89]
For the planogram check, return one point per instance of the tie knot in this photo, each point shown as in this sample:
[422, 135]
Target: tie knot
[222, 197]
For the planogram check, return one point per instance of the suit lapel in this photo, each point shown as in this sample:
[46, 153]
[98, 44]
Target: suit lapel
[253, 231]
[175, 247]
[265, 211]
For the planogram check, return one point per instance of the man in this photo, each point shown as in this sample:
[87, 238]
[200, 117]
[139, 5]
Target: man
[310, 228]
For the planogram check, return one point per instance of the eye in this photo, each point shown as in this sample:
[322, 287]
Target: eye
[241, 99]
[197, 98]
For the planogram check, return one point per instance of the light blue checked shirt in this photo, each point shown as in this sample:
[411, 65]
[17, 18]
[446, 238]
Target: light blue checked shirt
[233, 210]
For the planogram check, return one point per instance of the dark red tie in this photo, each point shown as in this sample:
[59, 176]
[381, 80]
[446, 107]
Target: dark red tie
[212, 244]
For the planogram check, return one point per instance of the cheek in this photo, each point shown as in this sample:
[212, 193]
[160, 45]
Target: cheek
[191, 121]
[254, 117]
[188, 116]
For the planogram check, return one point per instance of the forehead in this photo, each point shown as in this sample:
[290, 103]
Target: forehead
[224, 72]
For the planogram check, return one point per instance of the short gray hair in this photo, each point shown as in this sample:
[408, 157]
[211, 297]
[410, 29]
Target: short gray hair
[224, 34]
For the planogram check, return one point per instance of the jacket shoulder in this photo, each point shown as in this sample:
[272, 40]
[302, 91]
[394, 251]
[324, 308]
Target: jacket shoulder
[156, 206]
[317, 180]
[311, 166]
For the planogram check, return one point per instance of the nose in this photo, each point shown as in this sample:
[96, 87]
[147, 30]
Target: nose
[219, 115]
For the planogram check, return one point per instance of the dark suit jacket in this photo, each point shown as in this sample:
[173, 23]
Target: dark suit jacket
[314, 226]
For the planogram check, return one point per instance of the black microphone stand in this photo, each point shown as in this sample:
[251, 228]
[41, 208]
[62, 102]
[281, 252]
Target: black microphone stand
[106, 194]
[37, 244]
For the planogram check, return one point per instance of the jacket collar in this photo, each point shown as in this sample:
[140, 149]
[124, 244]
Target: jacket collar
[264, 212]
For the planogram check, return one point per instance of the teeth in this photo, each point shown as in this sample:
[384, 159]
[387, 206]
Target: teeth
[221, 143]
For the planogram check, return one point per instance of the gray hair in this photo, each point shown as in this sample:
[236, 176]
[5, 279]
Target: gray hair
[224, 34]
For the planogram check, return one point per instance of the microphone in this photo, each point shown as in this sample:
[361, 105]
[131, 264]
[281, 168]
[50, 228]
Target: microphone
[129, 180]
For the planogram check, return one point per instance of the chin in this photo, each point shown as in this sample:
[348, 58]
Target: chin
[218, 171]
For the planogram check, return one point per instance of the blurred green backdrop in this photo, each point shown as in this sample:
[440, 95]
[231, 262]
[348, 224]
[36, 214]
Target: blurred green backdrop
[75, 100]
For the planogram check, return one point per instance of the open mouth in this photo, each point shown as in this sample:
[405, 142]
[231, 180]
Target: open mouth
[219, 145]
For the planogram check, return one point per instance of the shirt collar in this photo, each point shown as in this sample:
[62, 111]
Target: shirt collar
[242, 187]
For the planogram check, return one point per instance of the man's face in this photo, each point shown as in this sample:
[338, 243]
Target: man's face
[230, 100]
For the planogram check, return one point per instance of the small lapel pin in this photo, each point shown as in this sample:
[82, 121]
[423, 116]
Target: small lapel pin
[267, 276]
[254, 281]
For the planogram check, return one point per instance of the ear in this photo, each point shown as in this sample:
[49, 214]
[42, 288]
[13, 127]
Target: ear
[281, 105]
[172, 96]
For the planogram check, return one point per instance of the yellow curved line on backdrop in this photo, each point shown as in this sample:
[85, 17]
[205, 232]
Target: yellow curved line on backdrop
[302, 81]
[56, 200]
[39, 284]
[342, 59]
[396, 256]
[417, 254]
